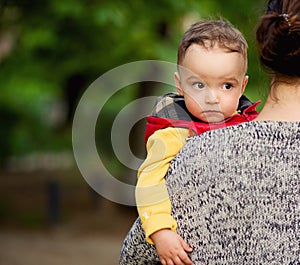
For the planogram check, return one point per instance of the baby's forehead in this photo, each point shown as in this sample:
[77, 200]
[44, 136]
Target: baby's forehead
[196, 50]
[219, 60]
[210, 49]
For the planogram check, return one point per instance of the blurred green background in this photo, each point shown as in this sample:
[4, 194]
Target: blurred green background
[50, 52]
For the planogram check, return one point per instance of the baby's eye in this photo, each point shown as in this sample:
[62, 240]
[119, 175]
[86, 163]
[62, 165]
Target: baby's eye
[227, 86]
[198, 85]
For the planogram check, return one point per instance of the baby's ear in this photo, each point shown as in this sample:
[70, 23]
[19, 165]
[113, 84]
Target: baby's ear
[245, 82]
[178, 83]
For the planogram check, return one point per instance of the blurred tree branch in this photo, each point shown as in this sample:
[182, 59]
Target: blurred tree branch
[51, 50]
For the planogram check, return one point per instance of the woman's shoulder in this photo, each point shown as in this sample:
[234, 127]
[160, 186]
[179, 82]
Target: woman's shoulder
[233, 147]
[242, 138]
[256, 130]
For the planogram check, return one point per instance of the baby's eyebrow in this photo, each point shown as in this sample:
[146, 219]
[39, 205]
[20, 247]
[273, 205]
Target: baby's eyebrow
[228, 78]
[231, 79]
[192, 78]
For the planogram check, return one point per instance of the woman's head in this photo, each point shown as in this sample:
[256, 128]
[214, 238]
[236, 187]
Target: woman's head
[278, 38]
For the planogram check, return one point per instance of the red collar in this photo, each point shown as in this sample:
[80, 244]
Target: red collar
[198, 127]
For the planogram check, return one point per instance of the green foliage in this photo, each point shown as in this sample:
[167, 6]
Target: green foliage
[55, 41]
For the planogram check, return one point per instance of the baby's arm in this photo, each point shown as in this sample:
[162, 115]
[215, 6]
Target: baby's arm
[152, 197]
[153, 202]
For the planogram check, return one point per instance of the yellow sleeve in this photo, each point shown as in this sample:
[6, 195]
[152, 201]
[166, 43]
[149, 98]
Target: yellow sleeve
[153, 203]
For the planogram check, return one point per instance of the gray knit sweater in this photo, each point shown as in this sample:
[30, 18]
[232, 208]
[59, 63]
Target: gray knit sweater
[235, 194]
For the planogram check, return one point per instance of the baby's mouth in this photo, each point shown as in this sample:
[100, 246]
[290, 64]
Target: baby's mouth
[212, 112]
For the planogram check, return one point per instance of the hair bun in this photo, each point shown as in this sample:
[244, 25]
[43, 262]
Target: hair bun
[278, 37]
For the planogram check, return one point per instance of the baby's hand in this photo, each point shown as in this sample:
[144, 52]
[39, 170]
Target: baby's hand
[171, 248]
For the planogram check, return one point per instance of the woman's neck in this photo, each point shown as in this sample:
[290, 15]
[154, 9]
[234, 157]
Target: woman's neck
[283, 103]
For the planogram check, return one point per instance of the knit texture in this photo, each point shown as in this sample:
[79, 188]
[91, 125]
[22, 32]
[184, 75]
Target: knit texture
[235, 194]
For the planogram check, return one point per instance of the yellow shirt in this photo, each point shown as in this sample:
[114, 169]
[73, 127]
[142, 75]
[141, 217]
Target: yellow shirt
[153, 203]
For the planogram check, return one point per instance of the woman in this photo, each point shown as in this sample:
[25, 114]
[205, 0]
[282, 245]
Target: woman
[235, 192]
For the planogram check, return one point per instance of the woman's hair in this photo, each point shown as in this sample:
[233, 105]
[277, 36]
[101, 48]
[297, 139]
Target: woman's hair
[208, 33]
[278, 38]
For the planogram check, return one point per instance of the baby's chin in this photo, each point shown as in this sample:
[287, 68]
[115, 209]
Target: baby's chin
[215, 121]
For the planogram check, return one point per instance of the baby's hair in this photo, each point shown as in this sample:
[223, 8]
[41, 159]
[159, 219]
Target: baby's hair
[209, 33]
[278, 38]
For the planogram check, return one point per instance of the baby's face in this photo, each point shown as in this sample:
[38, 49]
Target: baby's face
[211, 81]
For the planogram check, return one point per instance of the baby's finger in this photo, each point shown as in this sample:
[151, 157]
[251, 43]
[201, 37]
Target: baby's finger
[185, 258]
[185, 246]
[170, 262]
[177, 261]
